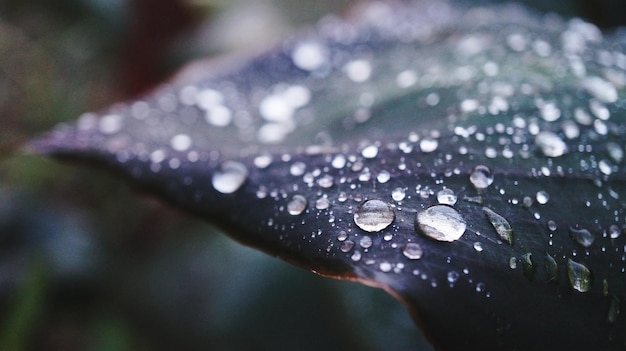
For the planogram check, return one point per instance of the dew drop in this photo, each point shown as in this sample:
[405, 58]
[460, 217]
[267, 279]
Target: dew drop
[413, 251]
[579, 276]
[374, 216]
[542, 197]
[614, 232]
[552, 270]
[500, 224]
[297, 205]
[552, 225]
[582, 236]
[446, 197]
[481, 177]
[230, 177]
[326, 181]
[385, 266]
[342, 236]
[550, 144]
[442, 223]
[339, 161]
[513, 262]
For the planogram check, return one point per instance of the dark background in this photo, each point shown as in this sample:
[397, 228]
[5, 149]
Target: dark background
[85, 264]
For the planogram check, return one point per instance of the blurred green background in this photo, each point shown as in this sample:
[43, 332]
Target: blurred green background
[85, 264]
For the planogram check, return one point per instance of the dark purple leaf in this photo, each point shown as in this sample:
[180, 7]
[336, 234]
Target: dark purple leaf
[470, 162]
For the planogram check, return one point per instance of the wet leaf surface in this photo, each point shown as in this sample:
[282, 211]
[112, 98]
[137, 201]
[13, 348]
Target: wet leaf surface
[332, 150]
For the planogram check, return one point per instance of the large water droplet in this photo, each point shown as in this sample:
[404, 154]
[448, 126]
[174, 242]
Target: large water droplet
[446, 197]
[374, 216]
[550, 144]
[579, 276]
[481, 177]
[500, 224]
[230, 177]
[413, 251]
[297, 205]
[442, 223]
[582, 236]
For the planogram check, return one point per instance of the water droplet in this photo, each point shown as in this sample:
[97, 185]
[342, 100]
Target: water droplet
[605, 167]
[358, 70]
[413, 251]
[383, 177]
[442, 223]
[600, 89]
[346, 246]
[374, 216]
[297, 205]
[605, 287]
[513, 262]
[552, 269]
[542, 197]
[398, 194]
[481, 177]
[263, 161]
[230, 177]
[429, 145]
[326, 181]
[342, 236]
[366, 242]
[356, 256]
[614, 309]
[552, 225]
[370, 151]
[550, 144]
[480, 287]
[528, 267]
[385, 266]
[322, 203]
[309, 56]
[478, 246]
[500, 224]
[110, 124]
[446, 197]
[614, 232]
[297, 169]
[339, 161]
[453, 276]
[181, 142]
[579, 276]
[582, 236]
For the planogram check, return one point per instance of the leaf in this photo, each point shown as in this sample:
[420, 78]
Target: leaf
[443, 154]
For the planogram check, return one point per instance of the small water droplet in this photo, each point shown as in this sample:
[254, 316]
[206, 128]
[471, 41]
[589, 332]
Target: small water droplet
[480, 287]
[374, 216]
[481, 177]
[550, 144]
[398, 194]
[582, 236]
[579, 276]
[385, 266]
[446, 197]
[500, 224]
[513, 262]
[230, 177]
[342, 236]
[370, 151]
[453, 276]
[339, 161]
[429, 145]
[297, 205]
[552, 225]
[365, 242]
[263, 161]
[542, 197]
[413, 251]
[442, 223]
[326, 181]
[478, 246]
[346, 246]
[614, 232]
[322, 203]
[383, 177]
[356, 256]
[297, 169]
[552, 269]
[528, 267]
